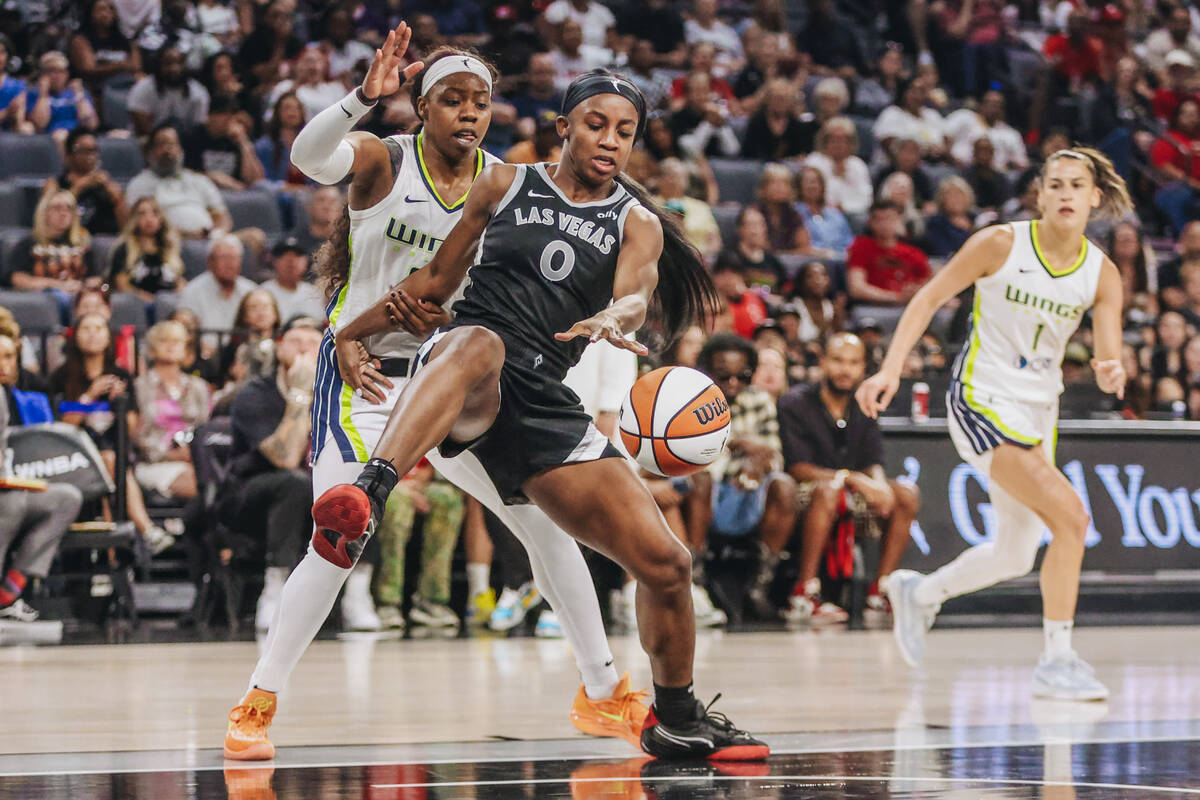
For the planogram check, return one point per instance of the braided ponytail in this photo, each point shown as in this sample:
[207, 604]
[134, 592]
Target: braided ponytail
[1115, 201]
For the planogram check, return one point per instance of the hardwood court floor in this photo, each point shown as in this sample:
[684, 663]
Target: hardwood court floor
[377, 700]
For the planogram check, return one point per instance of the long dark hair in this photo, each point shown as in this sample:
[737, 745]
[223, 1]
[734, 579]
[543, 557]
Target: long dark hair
[333, 259]
[74, 368]
[275, 126]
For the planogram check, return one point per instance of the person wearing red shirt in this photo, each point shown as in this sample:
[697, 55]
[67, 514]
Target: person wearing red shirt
[1076, 56]
[881, 269]
[1177, 156]
[745, 305]
[1181, 68]
[703, 59]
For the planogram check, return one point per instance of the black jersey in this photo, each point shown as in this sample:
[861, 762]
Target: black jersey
[544, 263]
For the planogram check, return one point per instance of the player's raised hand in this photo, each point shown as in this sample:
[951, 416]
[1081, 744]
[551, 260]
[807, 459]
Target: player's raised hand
[418, 317]
[875, 393]
[602, 326]
[384, 78]
[1110, 376]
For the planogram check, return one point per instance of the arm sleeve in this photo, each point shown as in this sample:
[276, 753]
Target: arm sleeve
[320, 150]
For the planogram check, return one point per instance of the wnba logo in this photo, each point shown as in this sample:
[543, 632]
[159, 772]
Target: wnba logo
[710, 411]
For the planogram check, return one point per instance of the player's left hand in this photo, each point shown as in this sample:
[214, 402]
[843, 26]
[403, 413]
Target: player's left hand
[361, 372]
[603, 326]
[418, 317]
[1110, 376]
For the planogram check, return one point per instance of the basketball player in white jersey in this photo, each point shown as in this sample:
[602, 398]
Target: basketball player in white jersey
[406, 194]
[1034, 281]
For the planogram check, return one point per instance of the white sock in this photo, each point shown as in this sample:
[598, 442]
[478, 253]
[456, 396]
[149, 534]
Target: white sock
[306, 601]
[478, 578]
[1058, 637]
[599, 680]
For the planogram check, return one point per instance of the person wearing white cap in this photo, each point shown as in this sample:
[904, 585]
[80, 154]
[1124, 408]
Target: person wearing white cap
[1176, 34]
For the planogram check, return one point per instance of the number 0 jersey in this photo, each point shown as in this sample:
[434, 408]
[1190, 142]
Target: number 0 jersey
[395, 237]
[1024, 315]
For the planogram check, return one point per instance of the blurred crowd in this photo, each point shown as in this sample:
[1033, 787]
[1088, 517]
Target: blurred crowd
[825, 156]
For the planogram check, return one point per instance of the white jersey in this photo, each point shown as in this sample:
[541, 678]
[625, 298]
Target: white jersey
[1025, 313]
[395, 237]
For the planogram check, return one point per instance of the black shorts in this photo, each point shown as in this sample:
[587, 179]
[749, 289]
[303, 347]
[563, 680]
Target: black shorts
[540, 425]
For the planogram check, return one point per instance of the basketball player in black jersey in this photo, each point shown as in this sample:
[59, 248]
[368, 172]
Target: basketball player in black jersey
[567, 254]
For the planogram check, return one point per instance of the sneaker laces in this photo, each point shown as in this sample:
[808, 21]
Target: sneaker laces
[1077, 664]
[249, 719]
[719, 720]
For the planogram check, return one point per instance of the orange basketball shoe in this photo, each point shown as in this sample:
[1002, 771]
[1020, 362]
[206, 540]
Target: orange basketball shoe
[621, 715]
[246, 737]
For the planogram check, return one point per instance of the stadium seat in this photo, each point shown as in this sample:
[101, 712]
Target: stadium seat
[102, 246]
[254, 209]
[29, 156]
[8, 243]
[738, 180]
[165, 304]
[35, 312]
[121, 158]
[30, 192]
[114, 111]
[726, 215]
[885, 317]
[128, 309]
[195, 254]
[11, 204]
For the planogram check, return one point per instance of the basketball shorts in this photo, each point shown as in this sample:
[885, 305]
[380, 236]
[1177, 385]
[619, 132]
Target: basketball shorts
[541, 425]
[979, 425]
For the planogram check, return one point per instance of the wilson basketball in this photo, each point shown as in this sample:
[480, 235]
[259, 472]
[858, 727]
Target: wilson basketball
[674, 421]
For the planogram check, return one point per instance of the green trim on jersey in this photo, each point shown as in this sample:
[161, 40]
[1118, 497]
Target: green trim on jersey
[356, 440]
[969, 393]
[1037, 248]
[429, 181]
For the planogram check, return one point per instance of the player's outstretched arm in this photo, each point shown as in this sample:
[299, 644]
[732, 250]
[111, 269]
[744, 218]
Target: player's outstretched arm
[633, 285]
[411, 302]
[982, 254]
[326, 150]
[1106, 327]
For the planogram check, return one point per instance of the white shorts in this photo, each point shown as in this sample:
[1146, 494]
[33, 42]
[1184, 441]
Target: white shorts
[986, 421]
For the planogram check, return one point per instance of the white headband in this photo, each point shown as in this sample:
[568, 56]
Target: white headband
[452, 65]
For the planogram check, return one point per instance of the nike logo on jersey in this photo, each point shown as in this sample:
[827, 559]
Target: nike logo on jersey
[1023, 271]
[344, 111]
[587, 230]
[408, 199]
[543, 196]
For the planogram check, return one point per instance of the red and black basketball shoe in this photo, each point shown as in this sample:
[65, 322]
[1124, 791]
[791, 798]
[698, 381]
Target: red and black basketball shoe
[345, 516]
[709, 735]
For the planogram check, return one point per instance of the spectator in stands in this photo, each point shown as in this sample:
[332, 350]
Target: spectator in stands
[12, 94]
[966, 125]
[705, 26]
[196, 360]
[269, 492]
[23, 380]
[57, 255]
[1135, 260]
[86, 388]
[989, 184]
[541, 93]
[1165, 357]
[898, 190]
[828, 230]
[443, 507]
[274, 148]
[32, 523]
[904, 155]
[949, 228]
[146, 259]
[222, 149]
[216, 295]
[744, 491]
[101, 201]
[310, 82]
[1189, 276]
[98, 50]
[685, 350]
[875, 92]
[220, 77]
[781, 129]
[847, 178]
[661, 24]
[544, 146]
[881, 269]
[59, 102]
[835, 454]
[1190, 373]
[1024, 205]
[167, 96]
[1175, 155]
[191, 201]
[572, 57]
[217, 19]
[817, 316]
[172, 403]
[643, 72]
[1175, 34]
[749, 255]
[831, 98]
[346, 54]
[293, 294]
[910, 117]
[777, 203]
[1187, 248]
[702, 59]
[92, 300]
[255, 327]
[1122, 114]
[324, 206]
[176, 26]
[745, 307]
[830, 41]
[594, 18]
[1179, 85]
[265, 53]
[698, 220]
[771, 375]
